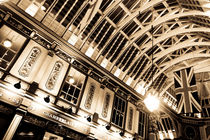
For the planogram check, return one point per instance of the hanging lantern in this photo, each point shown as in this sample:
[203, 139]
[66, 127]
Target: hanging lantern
[151, 102]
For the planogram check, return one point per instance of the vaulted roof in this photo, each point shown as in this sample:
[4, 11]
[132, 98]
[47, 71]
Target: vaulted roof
[120, 39]
[118, 35]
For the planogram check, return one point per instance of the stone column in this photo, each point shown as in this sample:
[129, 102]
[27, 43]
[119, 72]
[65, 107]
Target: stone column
[153, 129]
[14, 125]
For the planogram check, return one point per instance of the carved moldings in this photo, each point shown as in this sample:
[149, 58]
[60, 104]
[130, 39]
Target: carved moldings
[130, 119]
[80, 66]
[63, 55]
[29, 62]
[140, 105]
[35, 121]
[61, 130]
[2, 14]
[50, 84]
[42, 41]
[13, 22]
[106, 105]
[51, 126]
[90, 94]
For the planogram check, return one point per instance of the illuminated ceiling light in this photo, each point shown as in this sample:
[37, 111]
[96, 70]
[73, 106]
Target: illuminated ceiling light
[43, 8]
[151, 102]
[129, 81]
[7, 43]
[170, 133]
[117, 72]
[104, 63]
[47, 99]
[18, 85]
[71, 80]
[89, 51]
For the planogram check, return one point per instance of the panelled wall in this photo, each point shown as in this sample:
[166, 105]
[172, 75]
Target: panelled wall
[56, 81]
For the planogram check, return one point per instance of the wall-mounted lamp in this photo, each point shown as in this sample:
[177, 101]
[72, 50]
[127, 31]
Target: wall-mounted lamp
[71, 80]
[89, 119]
[47, 99]
[7, 43]
[151, 101]
[17, 85]
[121, 133]
[108, 126]
[70, 110]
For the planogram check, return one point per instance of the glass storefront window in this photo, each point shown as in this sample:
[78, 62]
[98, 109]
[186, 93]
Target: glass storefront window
[72, 87]
[119, 111]
[10, 44]
[141, 124]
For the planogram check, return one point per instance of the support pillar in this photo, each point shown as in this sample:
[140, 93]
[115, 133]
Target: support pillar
[153, 129]
[14, 125]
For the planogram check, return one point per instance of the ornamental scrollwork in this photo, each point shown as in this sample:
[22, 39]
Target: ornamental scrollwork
[106, 105]
[29, 62]
[50, 84]
[130, 121]
[90, 94]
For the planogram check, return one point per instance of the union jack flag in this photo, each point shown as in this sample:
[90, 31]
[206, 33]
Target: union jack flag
[186, 91]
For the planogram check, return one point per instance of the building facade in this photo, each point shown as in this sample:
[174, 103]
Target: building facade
[51, 89]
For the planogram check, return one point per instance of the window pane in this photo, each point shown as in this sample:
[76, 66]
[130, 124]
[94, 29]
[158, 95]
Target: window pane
[142, 123]
[118, 111]
[66, 87]
[71, 88]
[7, 53]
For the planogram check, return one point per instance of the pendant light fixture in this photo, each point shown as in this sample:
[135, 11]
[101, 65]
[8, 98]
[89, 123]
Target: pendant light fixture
[151, 101]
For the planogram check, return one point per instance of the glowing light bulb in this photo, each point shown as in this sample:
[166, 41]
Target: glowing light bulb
[71, 80]
[7, 43]
[151, 102]
[43, 8]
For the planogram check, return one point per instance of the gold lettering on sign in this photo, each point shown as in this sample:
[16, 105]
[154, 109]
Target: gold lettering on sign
[57, 118]
[90, 95]
[29, 62]
[106, 105]
[74, 124]
[54, 75]
[130, 120]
